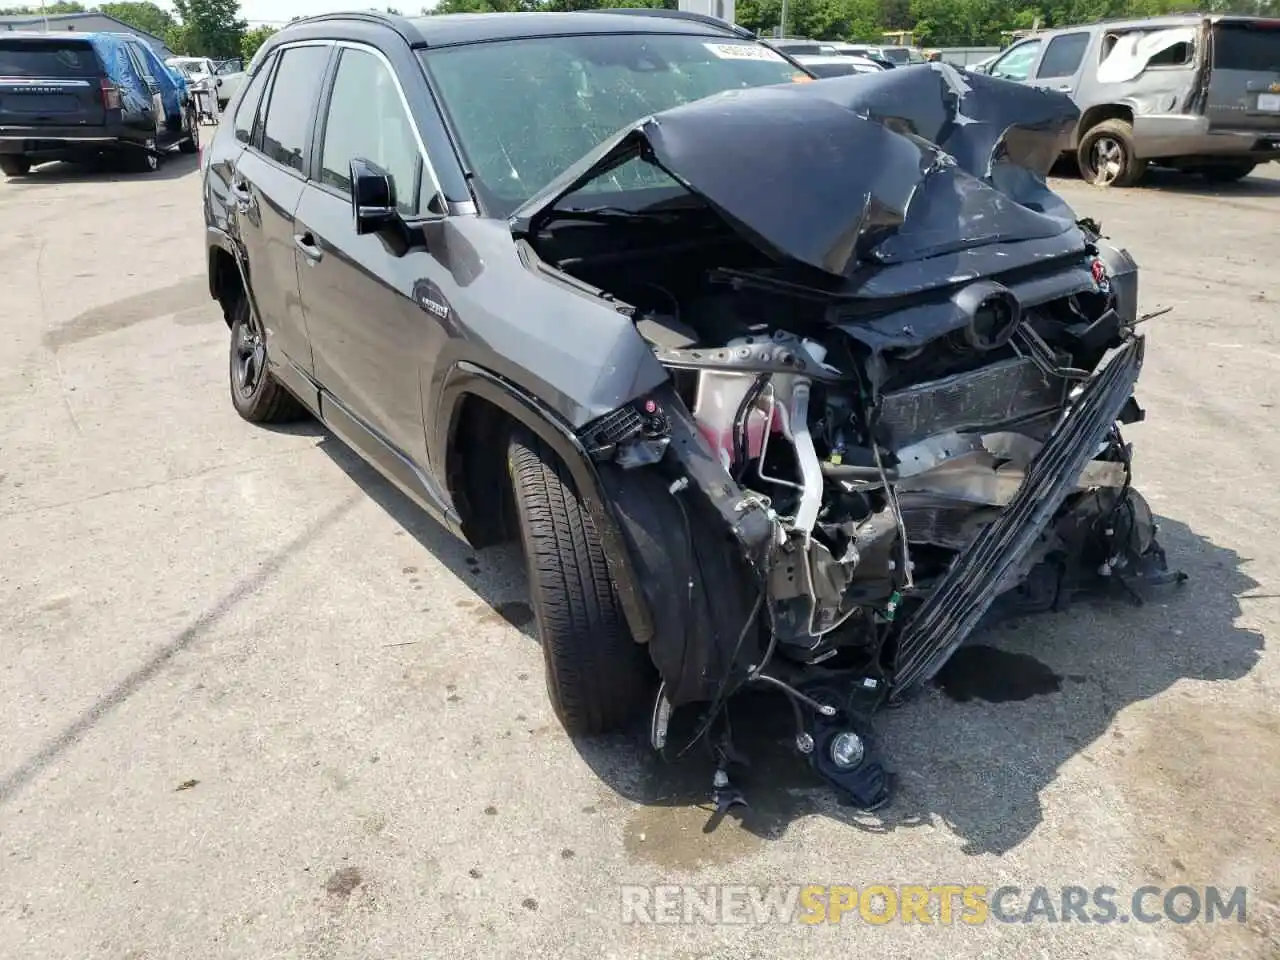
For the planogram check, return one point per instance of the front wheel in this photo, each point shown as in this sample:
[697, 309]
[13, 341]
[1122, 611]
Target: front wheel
[598, 677]
[1107, 156]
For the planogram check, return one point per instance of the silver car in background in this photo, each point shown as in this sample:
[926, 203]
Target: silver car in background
[1197, 92]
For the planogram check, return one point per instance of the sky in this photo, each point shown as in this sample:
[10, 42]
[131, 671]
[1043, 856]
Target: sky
[279, 12]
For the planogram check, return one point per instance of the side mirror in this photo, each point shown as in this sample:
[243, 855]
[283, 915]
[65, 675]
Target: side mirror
[219, 81]
[373, 198]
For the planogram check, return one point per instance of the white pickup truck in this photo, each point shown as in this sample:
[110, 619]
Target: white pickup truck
[225, 77]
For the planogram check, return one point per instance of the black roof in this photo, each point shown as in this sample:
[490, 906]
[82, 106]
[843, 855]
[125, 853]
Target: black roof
[456, 28]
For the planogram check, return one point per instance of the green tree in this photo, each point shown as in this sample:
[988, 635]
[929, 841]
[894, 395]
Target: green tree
[58, 6]
[253, 39]
[142, 15]
[208, 28]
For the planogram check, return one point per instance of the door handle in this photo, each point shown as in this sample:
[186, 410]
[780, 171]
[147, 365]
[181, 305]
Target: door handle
[307, 244]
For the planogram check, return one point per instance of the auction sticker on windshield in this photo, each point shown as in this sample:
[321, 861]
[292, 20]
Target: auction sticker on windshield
[742, 51]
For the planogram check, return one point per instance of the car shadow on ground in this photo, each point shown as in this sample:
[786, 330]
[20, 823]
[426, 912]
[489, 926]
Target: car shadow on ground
[977, 766]
[973, 753]
[175, 165]
[1190, 184]
[495, 574]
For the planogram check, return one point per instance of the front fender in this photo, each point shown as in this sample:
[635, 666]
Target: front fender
[469, 379]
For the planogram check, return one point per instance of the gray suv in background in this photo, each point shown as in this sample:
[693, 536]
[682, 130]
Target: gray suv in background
[1199, 93]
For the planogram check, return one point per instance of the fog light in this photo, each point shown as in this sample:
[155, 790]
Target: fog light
[847, 750]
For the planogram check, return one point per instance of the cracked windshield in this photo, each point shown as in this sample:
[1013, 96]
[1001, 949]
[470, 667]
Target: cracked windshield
[525, 110]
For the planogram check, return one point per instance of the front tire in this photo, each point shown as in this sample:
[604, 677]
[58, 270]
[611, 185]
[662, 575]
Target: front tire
[1107, 156]
[257, 396]
[597, 676]
[15, 165]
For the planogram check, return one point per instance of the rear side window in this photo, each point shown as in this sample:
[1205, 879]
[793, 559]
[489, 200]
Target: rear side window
[1246, 46]
[247, 111]
[47, 59]
[1063, 56]
[294, 92]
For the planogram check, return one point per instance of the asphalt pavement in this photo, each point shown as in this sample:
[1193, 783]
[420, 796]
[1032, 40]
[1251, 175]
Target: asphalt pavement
[252, 704]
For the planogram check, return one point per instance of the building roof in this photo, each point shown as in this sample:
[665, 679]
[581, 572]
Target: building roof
[16, 20]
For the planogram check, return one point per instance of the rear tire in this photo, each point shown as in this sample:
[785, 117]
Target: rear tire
[1107, 156]
[191, 144]
[15, 165]
[257, 396]
[1226, 172]
[597, 676]
[146, 159]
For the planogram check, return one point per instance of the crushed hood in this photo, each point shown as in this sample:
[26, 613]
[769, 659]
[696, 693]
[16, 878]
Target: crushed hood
[870, 169]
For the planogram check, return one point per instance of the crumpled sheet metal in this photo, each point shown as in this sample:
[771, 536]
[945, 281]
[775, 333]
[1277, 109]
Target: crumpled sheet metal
[881, 168]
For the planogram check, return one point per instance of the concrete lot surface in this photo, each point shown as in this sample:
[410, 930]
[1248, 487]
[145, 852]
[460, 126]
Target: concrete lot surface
[253, 705]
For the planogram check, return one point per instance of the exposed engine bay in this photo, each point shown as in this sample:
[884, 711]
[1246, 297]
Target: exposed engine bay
[899, 391]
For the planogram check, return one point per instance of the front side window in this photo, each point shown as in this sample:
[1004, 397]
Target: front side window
[367, 120]
[296, 87]
[1063, 56]
[247, 111]
[1016, 64]
[525, 110]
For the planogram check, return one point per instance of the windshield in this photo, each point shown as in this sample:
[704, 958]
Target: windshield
[189, 67]
[525, 110]
[1253, 46]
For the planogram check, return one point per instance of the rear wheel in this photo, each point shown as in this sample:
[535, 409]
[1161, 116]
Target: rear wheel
[1107, 156]
[15, 165]
[597, 676]
[257, 395]
[145, 158]
[192, 142]
[1227, 172]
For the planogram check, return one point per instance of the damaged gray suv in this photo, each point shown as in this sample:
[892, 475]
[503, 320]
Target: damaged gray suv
[782, 384]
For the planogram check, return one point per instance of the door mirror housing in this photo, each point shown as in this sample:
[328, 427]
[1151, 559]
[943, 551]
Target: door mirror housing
[373, 198]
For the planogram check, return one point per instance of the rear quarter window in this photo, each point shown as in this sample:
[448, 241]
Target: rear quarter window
[44, 58]
[1246, 46]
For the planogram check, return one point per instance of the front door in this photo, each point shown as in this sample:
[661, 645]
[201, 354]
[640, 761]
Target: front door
[369, 337]
[1061, 64]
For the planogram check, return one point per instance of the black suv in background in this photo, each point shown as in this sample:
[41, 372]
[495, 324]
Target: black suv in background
[734, 353]
[87, 97]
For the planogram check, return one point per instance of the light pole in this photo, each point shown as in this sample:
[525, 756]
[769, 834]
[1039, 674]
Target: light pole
[782, 27]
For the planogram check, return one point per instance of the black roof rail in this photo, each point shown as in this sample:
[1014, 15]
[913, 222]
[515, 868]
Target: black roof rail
[703, 18]
[401, 25]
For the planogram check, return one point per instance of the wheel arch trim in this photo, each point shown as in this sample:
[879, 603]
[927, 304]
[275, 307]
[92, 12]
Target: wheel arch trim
[469, 379]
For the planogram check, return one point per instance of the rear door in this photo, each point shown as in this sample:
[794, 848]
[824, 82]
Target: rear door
[1244, 85]
[55, 82]
[266, 185]
[1061, 63]
[155, 107]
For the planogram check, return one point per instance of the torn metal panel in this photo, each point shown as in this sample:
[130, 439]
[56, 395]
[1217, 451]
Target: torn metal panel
[890, 168]
[1133, 52]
